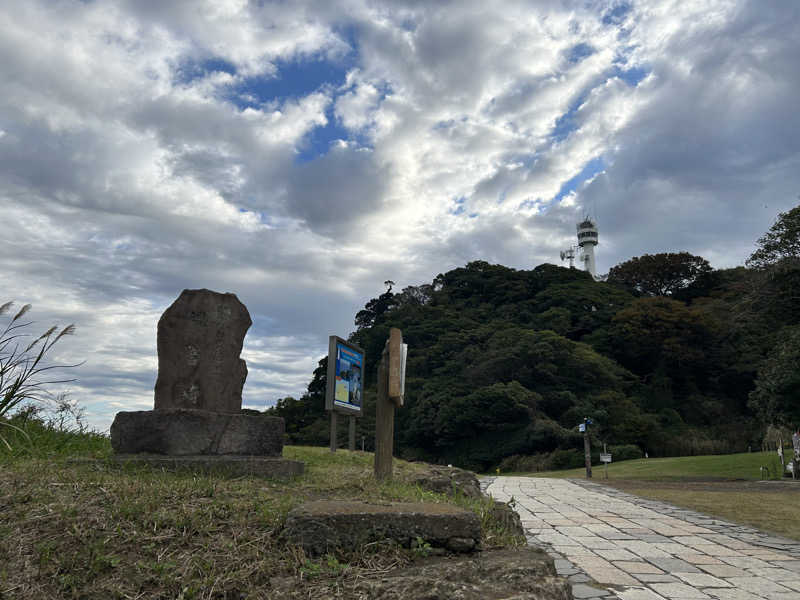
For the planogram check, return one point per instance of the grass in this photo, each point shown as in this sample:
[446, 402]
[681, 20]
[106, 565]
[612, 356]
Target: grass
[32, 437]
[93, 531]
[719, 467]
[773, 509]
[725, 486]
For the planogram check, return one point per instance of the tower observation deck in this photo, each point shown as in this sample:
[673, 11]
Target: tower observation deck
[587, 240]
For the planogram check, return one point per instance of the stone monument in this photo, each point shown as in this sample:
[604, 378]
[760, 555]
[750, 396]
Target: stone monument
[197, 418]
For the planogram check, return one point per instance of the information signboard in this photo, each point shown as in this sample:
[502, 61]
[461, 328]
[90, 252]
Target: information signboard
[606, 458]
[398, 353]
[345, 389]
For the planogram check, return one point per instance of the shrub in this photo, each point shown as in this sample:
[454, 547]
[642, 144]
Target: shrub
[566, 459]
[625, 452]
[23, 374]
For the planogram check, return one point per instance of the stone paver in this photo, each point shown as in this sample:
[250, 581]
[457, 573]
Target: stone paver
[614, 545]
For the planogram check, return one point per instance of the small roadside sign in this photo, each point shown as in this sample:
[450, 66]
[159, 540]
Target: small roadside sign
[582, 427]
[606, 458]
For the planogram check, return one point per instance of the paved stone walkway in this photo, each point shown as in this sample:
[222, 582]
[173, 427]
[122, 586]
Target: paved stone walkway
[614, 545]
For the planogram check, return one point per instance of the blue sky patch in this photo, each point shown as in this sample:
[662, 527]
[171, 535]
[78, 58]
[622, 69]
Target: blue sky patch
[189, 70]
[589, 170]
[293, 79]
[565, 124]
[459, 208]
[318, 141]
[617, 15]
[631, 76]
[578, 52]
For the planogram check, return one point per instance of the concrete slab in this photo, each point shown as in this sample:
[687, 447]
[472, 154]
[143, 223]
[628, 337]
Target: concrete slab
[759, 586]
[678, 591]
[703, 580]
[637, 567]
[639, 594]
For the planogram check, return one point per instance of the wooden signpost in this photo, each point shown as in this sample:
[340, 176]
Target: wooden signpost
[605, 458]
[391, 386]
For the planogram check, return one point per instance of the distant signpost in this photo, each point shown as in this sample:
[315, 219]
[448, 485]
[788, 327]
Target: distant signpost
[605, 458]
[345, 389]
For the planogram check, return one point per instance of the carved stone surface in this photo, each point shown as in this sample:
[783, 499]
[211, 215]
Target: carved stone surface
[178, 432]
[200, 337]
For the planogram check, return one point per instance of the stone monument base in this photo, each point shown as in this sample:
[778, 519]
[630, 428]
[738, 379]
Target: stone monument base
[234, 466]
[189, 432]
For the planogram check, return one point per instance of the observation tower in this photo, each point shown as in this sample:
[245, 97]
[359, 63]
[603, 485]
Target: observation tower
[587, 240]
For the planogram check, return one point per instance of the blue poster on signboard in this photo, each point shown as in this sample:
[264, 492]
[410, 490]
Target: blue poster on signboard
[345, 368]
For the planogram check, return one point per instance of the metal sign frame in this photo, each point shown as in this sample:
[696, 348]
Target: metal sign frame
[354, 379]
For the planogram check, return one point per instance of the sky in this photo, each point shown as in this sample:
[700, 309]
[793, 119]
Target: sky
[299, 154]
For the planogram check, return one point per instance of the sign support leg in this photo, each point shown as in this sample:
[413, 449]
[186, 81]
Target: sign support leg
[351, 434]
[587, 451]
[333, 431]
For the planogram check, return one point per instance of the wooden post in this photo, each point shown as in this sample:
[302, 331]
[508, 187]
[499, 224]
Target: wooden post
[333, 431]
[384, 423]
[587, 449]
[351, 437]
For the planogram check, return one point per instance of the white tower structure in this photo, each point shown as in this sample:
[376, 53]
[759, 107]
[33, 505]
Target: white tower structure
[587, 240]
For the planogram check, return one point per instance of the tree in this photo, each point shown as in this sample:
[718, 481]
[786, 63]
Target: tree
[659, 274]
[777, 392]
[781, 242]
[374, 309]
[776, 266]
[23, 374]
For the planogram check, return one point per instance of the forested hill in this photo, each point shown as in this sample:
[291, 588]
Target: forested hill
[668, 356]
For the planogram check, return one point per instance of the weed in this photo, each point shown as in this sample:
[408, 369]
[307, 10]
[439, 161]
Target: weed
[420, 548]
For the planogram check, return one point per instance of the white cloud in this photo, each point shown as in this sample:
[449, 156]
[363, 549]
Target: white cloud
[140, 155]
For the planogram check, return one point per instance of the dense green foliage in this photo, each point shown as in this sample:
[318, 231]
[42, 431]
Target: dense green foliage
[506, 362]
[659, 274]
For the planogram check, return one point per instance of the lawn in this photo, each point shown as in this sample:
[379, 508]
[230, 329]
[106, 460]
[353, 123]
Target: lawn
[97, 531]
[712, 467]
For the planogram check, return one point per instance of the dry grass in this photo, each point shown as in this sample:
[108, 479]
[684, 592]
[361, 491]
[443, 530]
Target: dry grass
[83, 531]
[769, 506]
